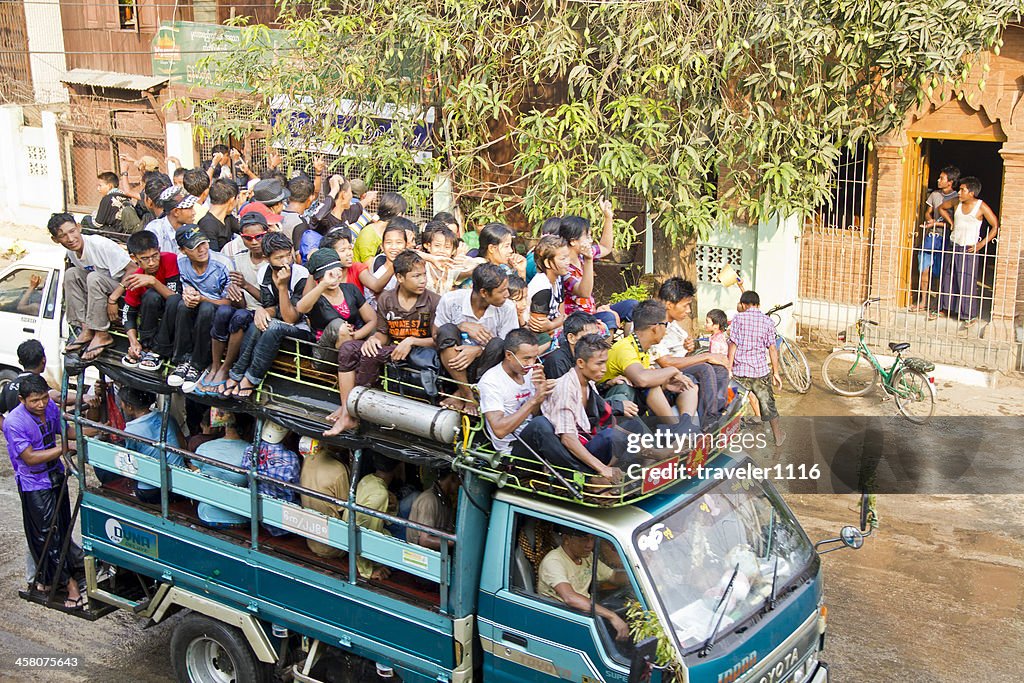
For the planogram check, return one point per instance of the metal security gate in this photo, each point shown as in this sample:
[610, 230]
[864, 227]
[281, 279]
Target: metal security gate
[840, 268]
[87, 151]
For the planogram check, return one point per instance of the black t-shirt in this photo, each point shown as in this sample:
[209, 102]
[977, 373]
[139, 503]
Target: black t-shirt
[324, 312]
[558, 362]
[9, 399]
[220, 233]
[268, 291]
[108, 214]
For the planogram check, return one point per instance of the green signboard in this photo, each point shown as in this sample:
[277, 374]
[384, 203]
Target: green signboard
[180, 47]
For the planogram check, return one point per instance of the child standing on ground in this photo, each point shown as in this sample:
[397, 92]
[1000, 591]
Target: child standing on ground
[716, 324]
[751, 333]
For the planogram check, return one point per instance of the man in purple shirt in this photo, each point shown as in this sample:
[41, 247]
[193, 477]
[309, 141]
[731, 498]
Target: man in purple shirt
[32, 431]
[751, 335]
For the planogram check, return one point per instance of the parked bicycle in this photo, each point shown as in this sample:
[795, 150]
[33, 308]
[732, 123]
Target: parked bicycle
[792, 359]
[854, 371]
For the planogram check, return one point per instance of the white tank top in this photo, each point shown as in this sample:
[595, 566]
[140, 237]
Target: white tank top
[966, 226]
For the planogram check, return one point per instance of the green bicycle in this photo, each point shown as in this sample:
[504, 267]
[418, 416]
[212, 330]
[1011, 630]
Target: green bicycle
[854, 370]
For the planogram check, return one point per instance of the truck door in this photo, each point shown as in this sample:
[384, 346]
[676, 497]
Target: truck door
[28, 310]
[531, 634]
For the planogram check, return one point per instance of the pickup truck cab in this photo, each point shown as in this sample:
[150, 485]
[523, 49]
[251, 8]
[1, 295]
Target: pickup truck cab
[31, 306]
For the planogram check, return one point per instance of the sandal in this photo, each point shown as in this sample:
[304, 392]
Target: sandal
[933, 315]
[76, 346]
[94, 352]
[75, 605]
[150, 362]
[129, 362]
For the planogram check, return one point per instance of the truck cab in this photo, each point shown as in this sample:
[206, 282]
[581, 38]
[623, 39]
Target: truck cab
[719, 571]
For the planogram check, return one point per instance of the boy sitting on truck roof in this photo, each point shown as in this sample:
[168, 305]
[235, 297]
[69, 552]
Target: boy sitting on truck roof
[97, 264]
[405, 318]
[146, 317]
[511, 392]
[282, 282]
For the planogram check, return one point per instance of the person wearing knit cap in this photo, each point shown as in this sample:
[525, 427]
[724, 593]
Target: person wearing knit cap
[337, 311]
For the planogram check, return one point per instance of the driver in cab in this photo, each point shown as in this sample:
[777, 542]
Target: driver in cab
[565, 574]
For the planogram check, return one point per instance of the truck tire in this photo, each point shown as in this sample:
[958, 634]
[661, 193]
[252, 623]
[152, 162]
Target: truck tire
[204, 650]
[7, 376]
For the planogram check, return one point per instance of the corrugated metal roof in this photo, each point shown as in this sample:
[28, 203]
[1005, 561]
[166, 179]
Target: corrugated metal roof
[112, 79]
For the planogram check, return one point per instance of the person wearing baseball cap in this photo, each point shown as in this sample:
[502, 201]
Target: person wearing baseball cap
[179, 210]
[337, 311]
[272, 194]
[259, 208]
[204, 286]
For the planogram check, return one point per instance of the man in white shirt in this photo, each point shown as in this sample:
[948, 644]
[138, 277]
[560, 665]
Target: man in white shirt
[179, 210]
[469, 327]
[513, 391]
[97, 266]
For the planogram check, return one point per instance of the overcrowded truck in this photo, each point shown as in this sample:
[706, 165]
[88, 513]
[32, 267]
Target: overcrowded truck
[713, 577]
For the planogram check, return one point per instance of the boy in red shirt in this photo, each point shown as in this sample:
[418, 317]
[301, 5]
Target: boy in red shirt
[150, 302]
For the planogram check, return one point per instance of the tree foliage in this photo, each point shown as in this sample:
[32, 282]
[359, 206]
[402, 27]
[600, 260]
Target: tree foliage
[711, 111]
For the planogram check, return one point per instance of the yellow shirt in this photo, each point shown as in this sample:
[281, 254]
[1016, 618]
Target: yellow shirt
[557, 567]
[367, 244]
[323, 473]
[624, 353]
[371, 492]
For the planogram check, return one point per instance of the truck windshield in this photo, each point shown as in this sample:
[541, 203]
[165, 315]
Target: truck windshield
[716, 559]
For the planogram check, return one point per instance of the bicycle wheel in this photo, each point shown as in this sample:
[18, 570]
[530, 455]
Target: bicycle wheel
[848, 372]
[795, 366]
[914, 394]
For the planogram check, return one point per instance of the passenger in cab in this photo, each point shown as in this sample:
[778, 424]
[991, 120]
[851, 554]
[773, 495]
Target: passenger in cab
[470, 327]
[372, 492]
[230, 450]
[436, 509]
[140, 420]
[323, 472]
[405, 319]
[566, 572]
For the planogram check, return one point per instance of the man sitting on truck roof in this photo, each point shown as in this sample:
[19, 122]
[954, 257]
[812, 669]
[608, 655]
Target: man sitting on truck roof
[565, 574]
[372, 492]
[512, 392]
[405, 318]
[656, 389]
[97, 264]
[469, 328]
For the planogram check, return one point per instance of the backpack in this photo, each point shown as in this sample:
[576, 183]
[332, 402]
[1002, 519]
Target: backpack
[129, 218]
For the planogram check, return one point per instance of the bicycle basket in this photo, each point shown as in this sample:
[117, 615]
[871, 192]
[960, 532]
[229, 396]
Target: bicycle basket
[919, 364]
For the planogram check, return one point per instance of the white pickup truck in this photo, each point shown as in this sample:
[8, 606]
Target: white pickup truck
[32, 312]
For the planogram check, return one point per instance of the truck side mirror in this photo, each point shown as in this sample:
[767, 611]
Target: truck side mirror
[851, 537]
[644, 656]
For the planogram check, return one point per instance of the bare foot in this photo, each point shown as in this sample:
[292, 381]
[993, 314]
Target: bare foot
[341, 424]
[336, 415]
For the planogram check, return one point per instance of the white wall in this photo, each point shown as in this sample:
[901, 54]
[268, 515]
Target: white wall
[30, 182]
[46, 50]
[777, 270]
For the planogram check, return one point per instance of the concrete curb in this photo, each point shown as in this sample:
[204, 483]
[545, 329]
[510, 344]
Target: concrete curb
[971, 377]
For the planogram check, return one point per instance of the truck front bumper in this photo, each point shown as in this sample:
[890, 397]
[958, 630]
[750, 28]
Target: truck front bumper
[821, 675]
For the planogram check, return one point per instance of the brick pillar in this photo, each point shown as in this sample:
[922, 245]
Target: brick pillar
[885, 265]
[1007, 295]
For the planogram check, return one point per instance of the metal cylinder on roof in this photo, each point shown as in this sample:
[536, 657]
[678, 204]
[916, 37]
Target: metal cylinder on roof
[396, 412]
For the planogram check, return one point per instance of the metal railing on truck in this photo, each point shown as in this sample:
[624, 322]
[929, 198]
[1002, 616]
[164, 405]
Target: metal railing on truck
[425, 563]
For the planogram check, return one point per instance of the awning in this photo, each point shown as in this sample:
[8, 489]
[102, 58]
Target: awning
[112, 79]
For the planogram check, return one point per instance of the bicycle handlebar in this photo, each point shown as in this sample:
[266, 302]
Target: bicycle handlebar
[780, 307]
[870, 322]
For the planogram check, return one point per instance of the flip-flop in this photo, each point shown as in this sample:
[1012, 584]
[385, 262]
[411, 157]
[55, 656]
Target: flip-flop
[75, 604]
[241, 393]
[76, 346]
[95, 352]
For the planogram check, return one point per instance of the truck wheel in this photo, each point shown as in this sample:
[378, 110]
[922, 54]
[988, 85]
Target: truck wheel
[7, 376]
[204, 650]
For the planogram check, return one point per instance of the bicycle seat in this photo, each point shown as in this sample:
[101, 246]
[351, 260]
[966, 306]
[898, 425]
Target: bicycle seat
[899, 346]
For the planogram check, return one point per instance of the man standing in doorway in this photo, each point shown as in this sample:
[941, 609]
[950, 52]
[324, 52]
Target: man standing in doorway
[958, 286]
[934, 239]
